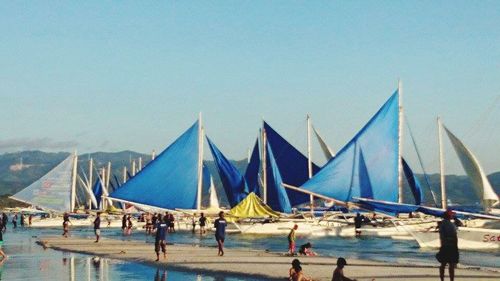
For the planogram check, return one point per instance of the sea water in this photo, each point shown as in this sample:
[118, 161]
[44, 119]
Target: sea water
[28, 261]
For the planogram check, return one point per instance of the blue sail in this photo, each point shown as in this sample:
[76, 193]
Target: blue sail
[388, 207]
[252, 171]
[379, 140]
[277, 197]
[233, 182]
[291, 163]
[413, 182]
[97, 189]
[170, 181]
[365, 186]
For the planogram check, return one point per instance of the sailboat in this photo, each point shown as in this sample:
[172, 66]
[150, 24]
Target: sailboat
[468, 237]
[173, 181]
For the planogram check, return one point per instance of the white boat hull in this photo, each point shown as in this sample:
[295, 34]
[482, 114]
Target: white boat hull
[468, 239]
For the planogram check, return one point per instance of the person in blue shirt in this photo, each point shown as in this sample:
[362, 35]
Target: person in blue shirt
[161, 237]
[220, 232]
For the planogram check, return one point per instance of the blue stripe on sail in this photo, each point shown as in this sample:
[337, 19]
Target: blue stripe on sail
[291, 163]
[252, 171]
[170, 181]
[379, 139]
[232, 181]
[414, 184]
[277, 197]
[97, 189]
[364, 179]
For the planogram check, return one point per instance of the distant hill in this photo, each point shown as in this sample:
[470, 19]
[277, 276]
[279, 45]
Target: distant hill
[14, 176]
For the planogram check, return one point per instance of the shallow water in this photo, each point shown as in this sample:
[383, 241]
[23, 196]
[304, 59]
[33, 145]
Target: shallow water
[29, 261]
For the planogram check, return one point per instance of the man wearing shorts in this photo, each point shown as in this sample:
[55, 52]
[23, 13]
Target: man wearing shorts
[220, 232]
[97, 227]
[160, 238]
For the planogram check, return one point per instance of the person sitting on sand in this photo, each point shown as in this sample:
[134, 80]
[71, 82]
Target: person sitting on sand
[306, 250]
[338, 273]
[291, 240]
[295, 273]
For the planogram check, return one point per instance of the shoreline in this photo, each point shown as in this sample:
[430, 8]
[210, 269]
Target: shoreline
[251, 263]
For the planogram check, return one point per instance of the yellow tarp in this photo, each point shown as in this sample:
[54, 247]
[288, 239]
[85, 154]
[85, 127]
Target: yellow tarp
[252, 207]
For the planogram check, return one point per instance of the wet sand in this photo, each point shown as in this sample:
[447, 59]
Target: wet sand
[254, 263]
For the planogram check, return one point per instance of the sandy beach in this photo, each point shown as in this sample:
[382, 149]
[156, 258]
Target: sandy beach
[256, 263]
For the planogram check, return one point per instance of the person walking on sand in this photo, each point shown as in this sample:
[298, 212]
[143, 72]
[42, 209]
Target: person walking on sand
[220, 232]
[203, 221]
[291, 240]
[14, 221]
[97, 227]
[295, 273]
[448, 253]
[30, 220]
[161, 237]
[65, 225]
[338, 273]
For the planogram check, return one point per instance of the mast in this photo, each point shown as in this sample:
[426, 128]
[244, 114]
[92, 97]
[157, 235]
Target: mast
[400, 143]
[103, 186]
[140, 164]
[200, 162]
[153, 155]
[444, 204]
[89, 184]
[133, 168]
[108, 176]
[73, 183]
[264, 166]
[124, 175]
[309, 160]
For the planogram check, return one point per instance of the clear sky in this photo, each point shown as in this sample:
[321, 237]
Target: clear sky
[117, 75]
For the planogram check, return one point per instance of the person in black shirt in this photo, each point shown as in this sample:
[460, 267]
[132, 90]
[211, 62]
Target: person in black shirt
[65, 225]
[97, 227]
[358, 220]
[220, 232]
[203, 221]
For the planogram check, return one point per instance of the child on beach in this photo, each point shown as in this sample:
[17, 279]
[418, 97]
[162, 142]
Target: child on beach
[338, 273]
[306, 250]
[295, 273]
[291, 240]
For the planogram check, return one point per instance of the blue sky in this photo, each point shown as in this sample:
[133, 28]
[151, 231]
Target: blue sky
[116, 75]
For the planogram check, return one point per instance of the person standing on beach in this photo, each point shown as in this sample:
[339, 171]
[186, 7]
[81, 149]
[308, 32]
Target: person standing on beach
[23, 222]
[65, 225]
[291, 240]
[203, 221]
[358, 221]
[5, 220]
[14, 220]
[220, 232]
[30, 219]
[448, 253]
[97, 227]
[4, 256]
[124, 224]
[171, 224]
[161, 237]
[129, 225]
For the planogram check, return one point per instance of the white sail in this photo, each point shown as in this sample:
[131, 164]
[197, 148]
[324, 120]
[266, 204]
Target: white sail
[327, 151]
[474, 171]
[53, 190]
[214, 202]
